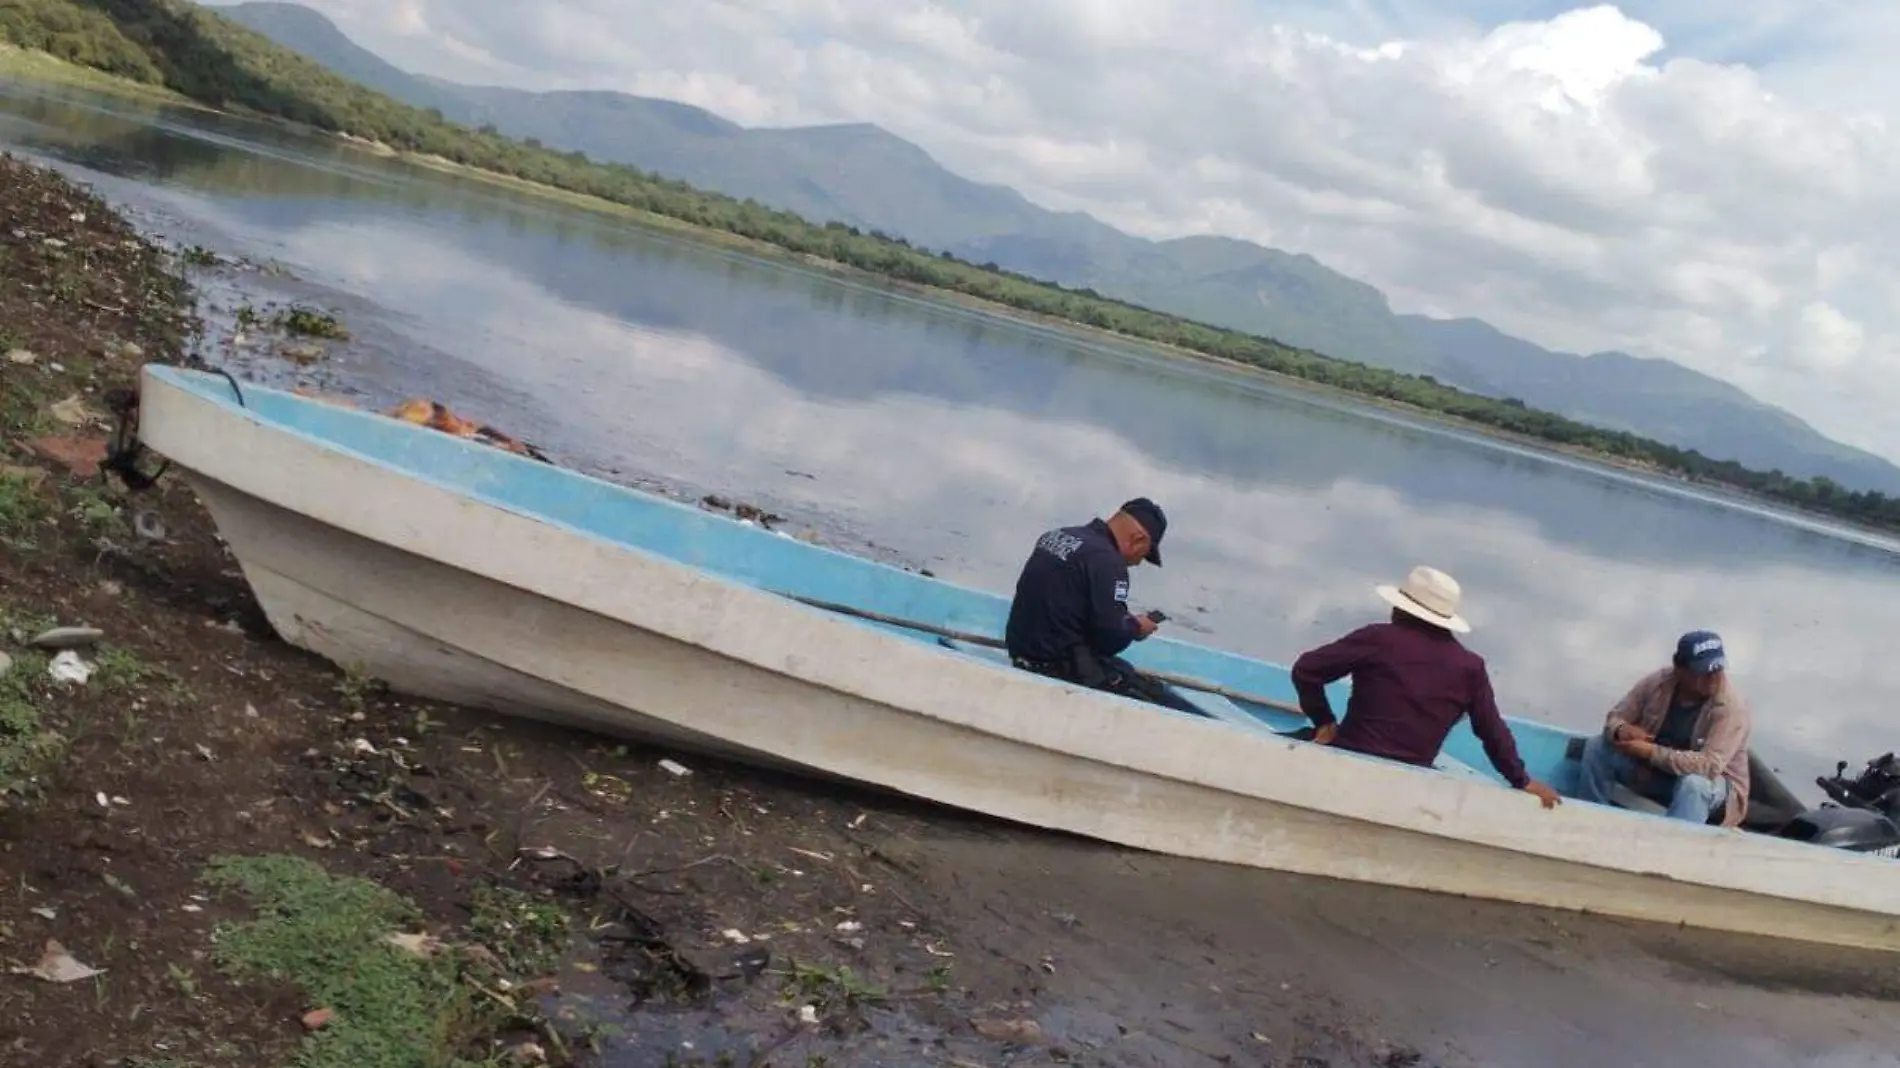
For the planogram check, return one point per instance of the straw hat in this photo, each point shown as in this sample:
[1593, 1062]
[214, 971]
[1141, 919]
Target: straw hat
[1430, 595]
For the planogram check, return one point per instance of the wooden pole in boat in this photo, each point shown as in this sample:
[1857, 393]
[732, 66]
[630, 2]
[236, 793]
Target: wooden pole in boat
[1184, 681]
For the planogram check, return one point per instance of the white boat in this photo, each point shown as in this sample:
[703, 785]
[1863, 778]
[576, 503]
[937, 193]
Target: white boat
[454, 570]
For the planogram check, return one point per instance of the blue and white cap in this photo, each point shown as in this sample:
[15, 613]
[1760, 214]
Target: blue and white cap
[1701, 651]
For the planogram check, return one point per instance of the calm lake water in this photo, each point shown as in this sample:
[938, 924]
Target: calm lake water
[950, 439]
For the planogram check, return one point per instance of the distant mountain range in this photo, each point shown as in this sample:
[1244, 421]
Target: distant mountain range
[862, 175]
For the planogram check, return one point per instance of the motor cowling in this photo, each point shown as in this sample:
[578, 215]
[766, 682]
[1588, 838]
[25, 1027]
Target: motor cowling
[1857, 830]
[1877, 787]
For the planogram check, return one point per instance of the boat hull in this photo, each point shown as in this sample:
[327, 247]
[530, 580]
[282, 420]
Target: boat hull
[449, 596]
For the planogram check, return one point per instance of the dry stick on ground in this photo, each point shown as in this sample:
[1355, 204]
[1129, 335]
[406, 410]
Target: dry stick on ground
[600, 874]
[590, 807]
[726, 811]
[554, 1039]
[762, 1058]
[629, 876]
[652, 932]
[922, 916]
[521, 816]
[872, 850]
[633, 842]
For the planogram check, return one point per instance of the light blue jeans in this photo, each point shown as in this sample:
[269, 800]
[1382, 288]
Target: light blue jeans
[1689, 797]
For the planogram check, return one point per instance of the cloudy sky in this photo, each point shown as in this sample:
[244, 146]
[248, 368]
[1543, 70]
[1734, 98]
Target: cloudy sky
[1707, 180]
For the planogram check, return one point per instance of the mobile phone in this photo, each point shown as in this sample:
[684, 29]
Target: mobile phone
[1156, 615]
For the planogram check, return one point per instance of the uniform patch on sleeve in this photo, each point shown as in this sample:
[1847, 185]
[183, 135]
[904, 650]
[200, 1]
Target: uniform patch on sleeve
[1121, 590]
[1059, 544]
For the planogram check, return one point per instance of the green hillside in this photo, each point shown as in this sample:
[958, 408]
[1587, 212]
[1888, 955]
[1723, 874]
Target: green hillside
[866, 177]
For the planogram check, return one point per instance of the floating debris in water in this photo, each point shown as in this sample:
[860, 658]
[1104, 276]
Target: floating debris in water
[745, 513]
[437, 416]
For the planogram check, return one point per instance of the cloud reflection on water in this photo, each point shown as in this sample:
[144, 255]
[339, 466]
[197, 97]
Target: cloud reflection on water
[1277, 566]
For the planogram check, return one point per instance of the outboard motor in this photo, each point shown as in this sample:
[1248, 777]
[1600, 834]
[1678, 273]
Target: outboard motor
[1864, 815]
[1877, 787]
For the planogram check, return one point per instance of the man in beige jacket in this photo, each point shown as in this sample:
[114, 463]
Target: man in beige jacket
[1679, 738]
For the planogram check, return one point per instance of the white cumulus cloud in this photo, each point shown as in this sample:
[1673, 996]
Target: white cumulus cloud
[1675, 178]
[1826, 340]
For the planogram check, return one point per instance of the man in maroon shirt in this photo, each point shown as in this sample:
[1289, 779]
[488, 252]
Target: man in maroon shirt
[1411, 683]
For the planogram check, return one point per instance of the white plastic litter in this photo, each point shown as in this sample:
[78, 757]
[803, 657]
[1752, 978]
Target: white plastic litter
[67, 667]
[58, 966]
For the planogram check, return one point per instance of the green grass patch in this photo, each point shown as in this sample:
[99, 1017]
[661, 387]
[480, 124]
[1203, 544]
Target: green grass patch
[124, 671]
[13, 617]
[23, 508]
[25, 401]
[328, 935]
[356, 686]
[29, 747]
[309, 322]
[828, 989]
[97, 511]
[527, 935]
[77, 70]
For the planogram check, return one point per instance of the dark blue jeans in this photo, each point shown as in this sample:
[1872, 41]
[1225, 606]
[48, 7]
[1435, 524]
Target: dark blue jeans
[1688, 797]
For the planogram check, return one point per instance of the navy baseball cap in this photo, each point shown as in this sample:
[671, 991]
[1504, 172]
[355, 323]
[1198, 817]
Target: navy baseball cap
[1153, 520]
[1701, 651]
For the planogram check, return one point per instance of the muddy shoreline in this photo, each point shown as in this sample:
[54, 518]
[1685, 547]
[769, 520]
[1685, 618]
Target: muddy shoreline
[585, 901]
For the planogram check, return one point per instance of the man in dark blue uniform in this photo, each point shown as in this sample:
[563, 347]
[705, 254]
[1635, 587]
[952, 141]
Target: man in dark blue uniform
[1070, 619]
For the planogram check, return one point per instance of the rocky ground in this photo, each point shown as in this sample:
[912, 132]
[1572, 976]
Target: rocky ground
[220, 851]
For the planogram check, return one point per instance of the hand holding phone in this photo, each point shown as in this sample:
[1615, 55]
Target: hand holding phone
[1156, 615]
